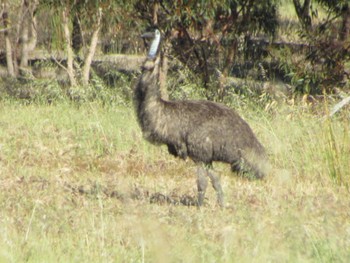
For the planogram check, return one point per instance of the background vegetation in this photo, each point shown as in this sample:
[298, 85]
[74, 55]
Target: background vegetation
[79, 183]
[304, 44]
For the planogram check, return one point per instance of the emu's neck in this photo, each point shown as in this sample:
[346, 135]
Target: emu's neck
[150, 107]
[149, 81]
[147, 95]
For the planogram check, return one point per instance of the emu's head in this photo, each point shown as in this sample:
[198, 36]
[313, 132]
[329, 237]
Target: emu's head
[149, 80]
[155, 36]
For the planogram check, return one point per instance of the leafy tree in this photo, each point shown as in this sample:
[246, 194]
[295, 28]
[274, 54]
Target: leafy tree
[19, 21]
[329, 42]
[205, 35]
[80, 20]
[69, 10]
[303, 13]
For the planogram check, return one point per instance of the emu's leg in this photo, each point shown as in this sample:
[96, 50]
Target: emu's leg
[215, 181]
[202, 183]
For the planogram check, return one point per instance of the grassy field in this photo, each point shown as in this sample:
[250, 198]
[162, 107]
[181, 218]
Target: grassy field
[76, 184]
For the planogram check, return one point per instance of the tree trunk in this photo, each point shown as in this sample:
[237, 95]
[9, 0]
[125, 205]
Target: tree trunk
[91, 52]
[24, 42]
[163, 72]
[230, 55]
[24, 34]
[8, 46]
[77, 37]
[303, 13]
[345, 29]
[27, 40]
[33, 34]
[155, 13]
[68, 44]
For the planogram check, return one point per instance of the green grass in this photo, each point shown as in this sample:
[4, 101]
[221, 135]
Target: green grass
[75, 185]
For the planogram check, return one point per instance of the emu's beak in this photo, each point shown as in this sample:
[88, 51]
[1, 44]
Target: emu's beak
[148, 35]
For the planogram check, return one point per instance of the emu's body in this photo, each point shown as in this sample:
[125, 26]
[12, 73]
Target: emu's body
[202, 130]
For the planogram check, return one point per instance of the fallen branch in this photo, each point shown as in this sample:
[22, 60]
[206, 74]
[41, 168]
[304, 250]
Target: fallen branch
[339, 105]
[5, 29]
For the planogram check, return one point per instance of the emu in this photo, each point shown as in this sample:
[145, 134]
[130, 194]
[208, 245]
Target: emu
[201, 130]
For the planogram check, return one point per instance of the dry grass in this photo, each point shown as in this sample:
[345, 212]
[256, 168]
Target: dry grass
[76, 185]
